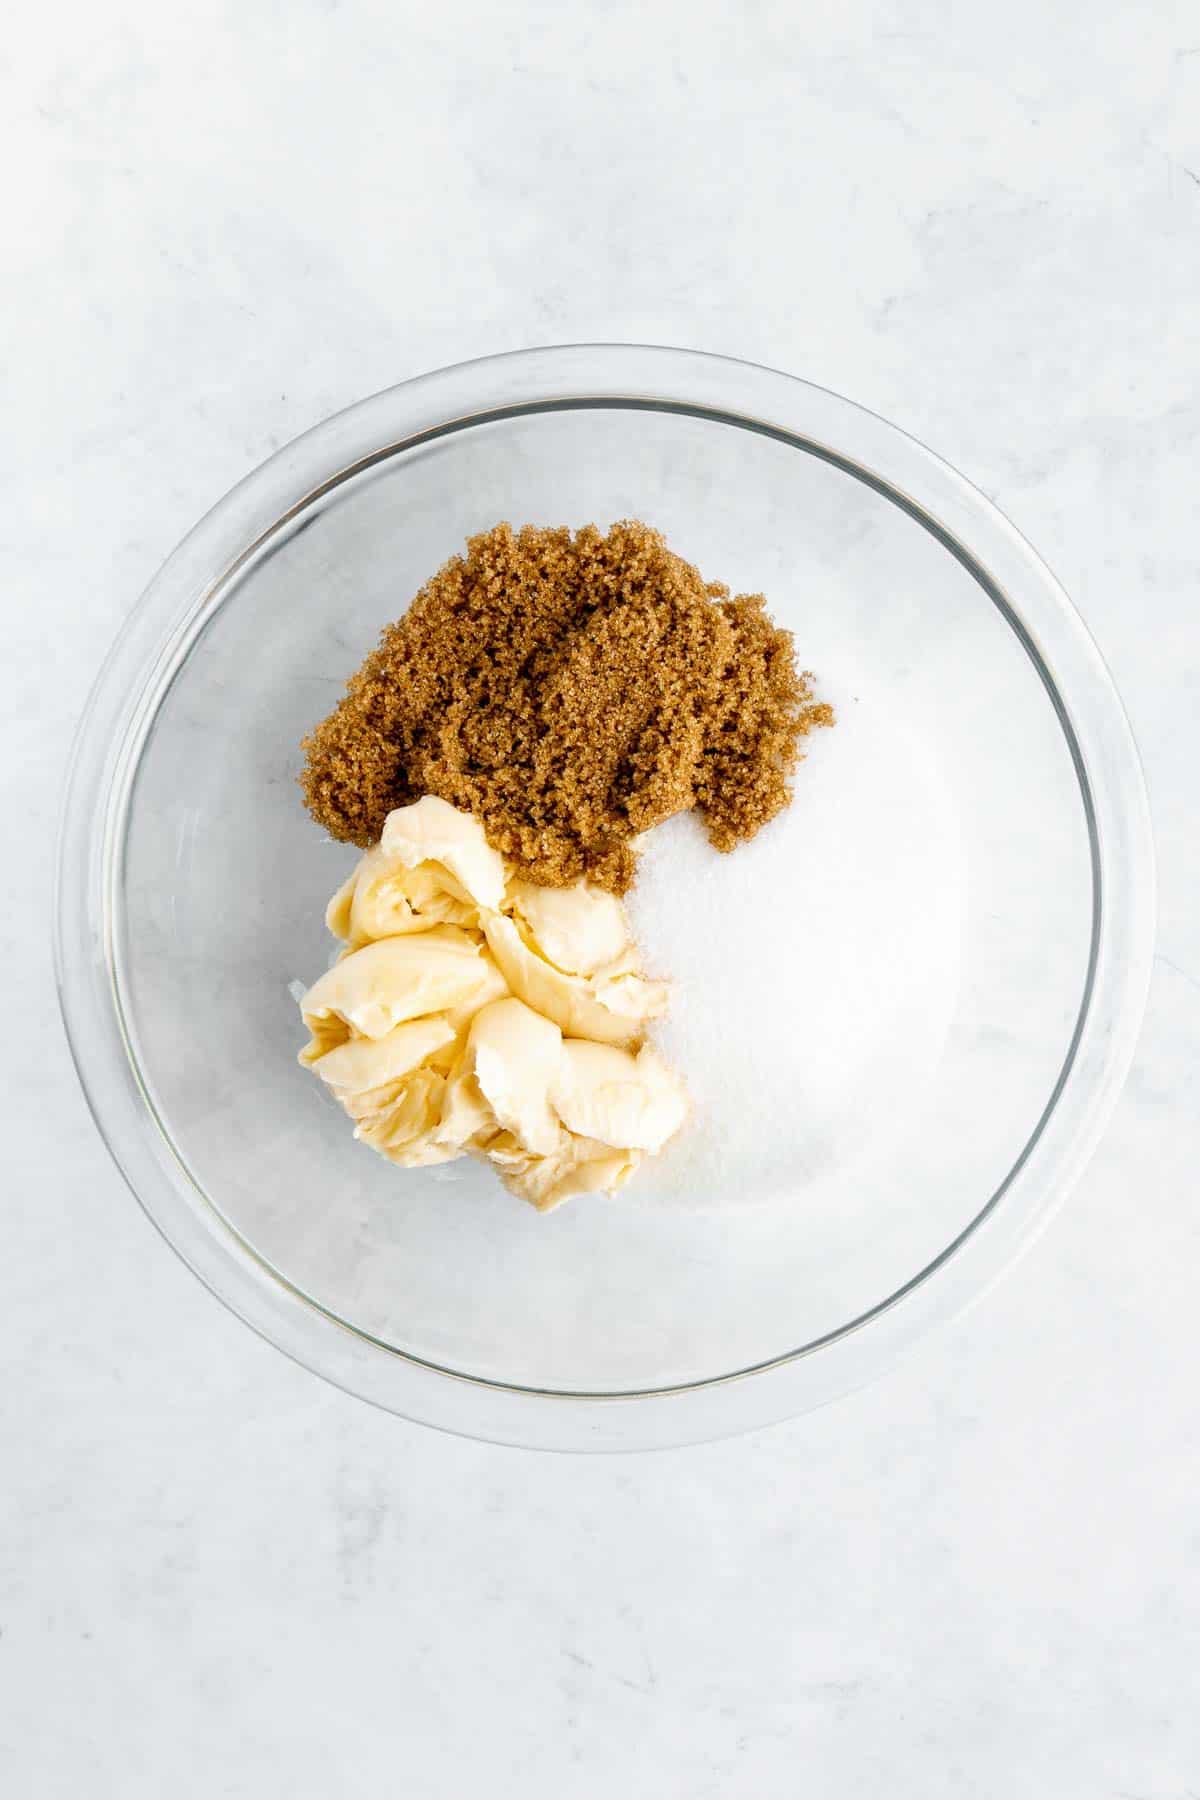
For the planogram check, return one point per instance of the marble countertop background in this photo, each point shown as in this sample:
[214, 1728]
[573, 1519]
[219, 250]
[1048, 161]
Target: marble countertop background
[220, 1577]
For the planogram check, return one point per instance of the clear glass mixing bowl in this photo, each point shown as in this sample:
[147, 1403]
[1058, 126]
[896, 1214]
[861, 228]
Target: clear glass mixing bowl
[955, 916]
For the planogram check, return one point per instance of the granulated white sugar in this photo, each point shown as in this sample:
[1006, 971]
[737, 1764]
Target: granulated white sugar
[815, 972]
[815, 969]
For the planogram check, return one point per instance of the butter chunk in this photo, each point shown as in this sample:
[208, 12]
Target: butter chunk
[365, 1074]
[613, 1011]
[474, 1013]
[378, 987]
[385, 898]
[581, 929]
[628, 1102]
[511, 1061]
[432, 831]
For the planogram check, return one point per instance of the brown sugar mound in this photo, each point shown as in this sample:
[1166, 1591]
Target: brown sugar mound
[571, 692]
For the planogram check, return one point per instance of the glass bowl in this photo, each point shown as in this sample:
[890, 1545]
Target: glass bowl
[904, 1010]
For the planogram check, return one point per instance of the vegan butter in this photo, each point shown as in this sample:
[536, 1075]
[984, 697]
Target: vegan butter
[472, 1013]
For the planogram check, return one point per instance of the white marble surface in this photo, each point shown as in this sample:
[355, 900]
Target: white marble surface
[218, 1576]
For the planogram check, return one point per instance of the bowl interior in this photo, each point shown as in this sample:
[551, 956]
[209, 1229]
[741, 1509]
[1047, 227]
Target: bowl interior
[875, 999]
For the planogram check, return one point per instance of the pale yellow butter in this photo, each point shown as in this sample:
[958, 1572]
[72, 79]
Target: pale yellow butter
[474, 1013]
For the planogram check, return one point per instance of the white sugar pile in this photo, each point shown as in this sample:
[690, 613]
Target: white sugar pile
[815, 971]
[815, 968]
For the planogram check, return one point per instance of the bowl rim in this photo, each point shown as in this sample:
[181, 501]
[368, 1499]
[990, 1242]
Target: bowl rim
[179, 602]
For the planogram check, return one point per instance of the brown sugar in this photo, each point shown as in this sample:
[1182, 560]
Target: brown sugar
[571, 691]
